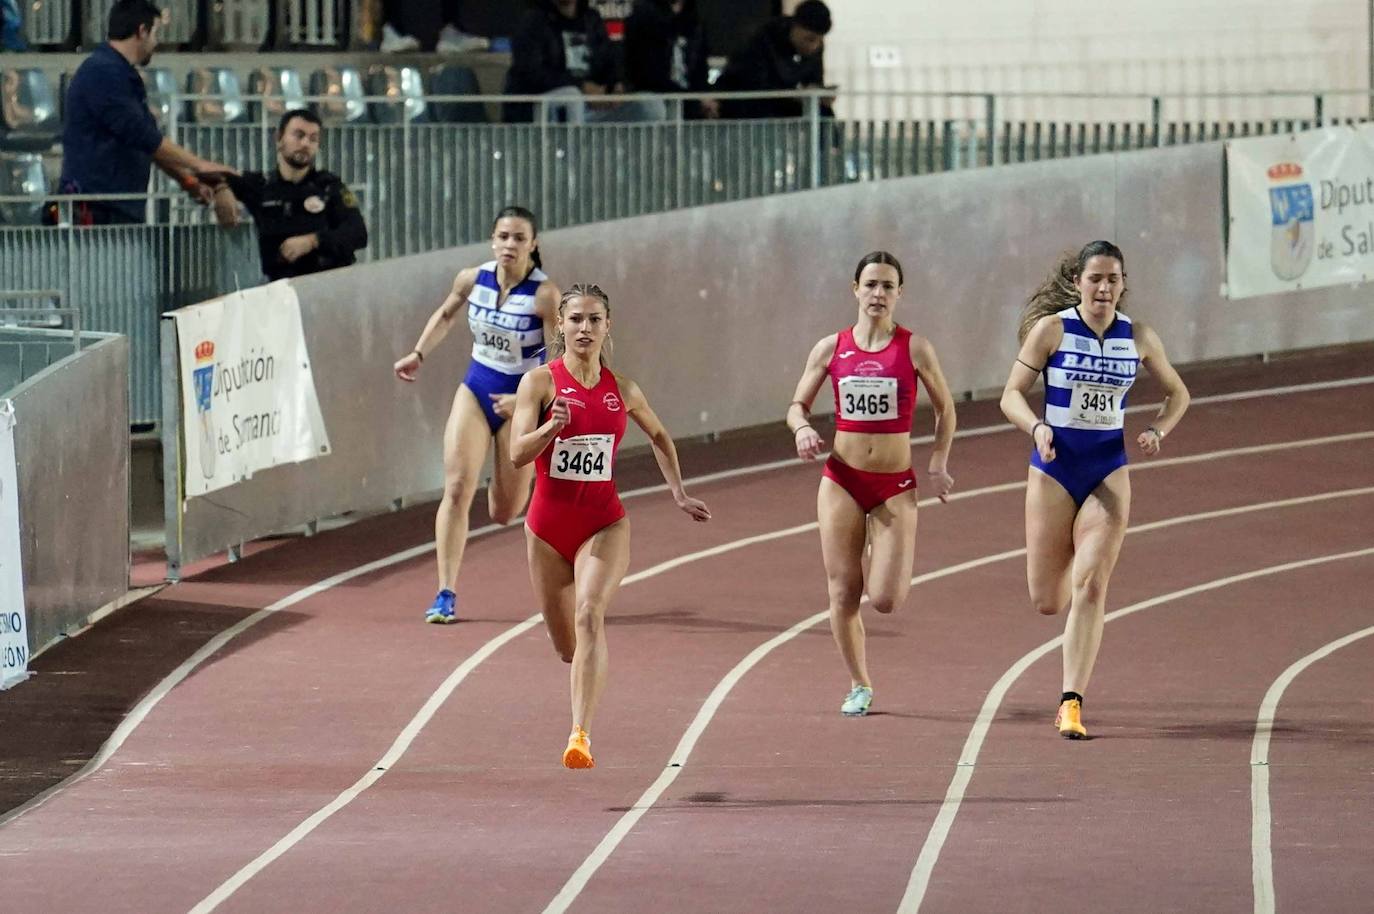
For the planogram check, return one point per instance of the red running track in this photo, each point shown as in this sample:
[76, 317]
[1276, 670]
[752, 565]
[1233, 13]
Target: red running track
[777, 803]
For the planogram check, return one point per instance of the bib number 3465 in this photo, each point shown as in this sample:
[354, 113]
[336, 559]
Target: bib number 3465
[868, 399]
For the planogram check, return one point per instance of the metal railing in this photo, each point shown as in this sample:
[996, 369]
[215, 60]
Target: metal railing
[433, 185]
[33, 337]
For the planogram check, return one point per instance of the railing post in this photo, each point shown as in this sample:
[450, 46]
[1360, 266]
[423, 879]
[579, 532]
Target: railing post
[1317, 105]
[813, 119]
[990, 113]
[406, 246]
[1156, 115]
[545, 165]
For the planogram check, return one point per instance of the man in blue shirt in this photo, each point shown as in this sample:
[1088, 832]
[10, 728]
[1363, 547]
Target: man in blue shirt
[110, 140]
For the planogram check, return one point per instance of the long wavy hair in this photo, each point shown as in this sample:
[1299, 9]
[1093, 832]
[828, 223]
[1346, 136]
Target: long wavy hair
[580, 290]
[1060, 288]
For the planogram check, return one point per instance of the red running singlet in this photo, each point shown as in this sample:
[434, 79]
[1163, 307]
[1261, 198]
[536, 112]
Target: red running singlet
[875, 392]
[574, 487]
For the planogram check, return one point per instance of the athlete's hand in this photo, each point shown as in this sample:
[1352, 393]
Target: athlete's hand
[1043, 436]
[809, 443]
[503, 405]
[560, 414]
[695, 508]
[1149, 441]
[941, 482]
[406, 366]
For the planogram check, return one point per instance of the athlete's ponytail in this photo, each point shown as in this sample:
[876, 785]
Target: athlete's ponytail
[1060, 289]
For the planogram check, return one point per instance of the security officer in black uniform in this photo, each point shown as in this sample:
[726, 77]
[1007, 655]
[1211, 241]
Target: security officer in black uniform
[308, 220]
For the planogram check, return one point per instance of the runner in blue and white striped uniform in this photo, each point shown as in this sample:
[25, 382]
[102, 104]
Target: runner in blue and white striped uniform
[512, 311]
[1078, 495]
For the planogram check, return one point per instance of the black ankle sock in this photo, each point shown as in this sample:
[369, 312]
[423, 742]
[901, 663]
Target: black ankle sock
[1068, 695]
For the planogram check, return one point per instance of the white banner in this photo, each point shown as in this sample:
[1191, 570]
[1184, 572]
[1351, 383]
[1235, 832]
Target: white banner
[14, 631]
[248, 395]
[1301, 211]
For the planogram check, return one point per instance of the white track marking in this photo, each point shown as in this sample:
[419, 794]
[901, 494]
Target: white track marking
[1261, 822]
[579, 879]
[954, 795]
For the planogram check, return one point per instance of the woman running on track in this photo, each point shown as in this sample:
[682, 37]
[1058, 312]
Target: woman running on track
[868, 488]
[1078, 496]
[512, 312]
[569, 418]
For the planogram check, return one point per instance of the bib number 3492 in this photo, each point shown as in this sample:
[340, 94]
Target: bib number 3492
[583, 458]
[496, 345]
[868, 399]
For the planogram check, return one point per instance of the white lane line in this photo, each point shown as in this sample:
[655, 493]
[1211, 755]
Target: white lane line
[602, 852]
[145, 706]
[1261, 820]
[919, 882]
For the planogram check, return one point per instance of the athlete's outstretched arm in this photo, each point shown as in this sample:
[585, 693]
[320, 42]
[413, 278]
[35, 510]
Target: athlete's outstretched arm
[528, 437]
[807, 439]
[437, 327]
[1176, 396]
[928, 366]
[1040, 344]
[664, 450]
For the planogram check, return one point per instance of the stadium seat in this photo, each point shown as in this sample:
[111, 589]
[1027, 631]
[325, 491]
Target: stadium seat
[343, 87]
[449, 79]
[47, 23]
[29, 120]
[21, 174]
[225, 104]
[398, 83]
[281, 90]
[161, 85]
[239, 25]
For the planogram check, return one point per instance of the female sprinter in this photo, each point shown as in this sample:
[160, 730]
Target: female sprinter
[569, 419]
[1078, 496]
[511, 311]
[868, 490]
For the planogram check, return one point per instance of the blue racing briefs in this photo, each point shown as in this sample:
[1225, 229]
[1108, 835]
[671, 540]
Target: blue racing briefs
[1081, 462]
[483, 381]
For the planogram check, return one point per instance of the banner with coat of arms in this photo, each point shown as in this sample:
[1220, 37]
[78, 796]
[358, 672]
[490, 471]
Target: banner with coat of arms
[1301, 211]
[248, 393]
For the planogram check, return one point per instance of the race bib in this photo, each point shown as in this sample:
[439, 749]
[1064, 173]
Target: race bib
[1095, 406]
[583, 458]
[868, 399]
[497, 345]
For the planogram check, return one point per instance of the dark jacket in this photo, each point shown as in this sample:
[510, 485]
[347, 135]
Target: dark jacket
[768, 62]
[665, 52]
[108, 134]
[320, 203]
[549, 51]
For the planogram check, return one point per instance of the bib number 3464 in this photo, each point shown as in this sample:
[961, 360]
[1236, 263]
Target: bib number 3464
[583, 458]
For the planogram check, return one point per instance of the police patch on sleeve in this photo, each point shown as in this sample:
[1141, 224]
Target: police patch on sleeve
[348, 199]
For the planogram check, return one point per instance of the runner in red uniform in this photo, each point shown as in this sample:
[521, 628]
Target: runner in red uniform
[868, 490]
[569, 418]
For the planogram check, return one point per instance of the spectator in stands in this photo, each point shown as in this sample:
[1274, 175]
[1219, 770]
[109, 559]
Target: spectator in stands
[665, 51]
[561, 49]
[786, 53]
[399, 21]
[308, 220]
[11, 27]
[110, 140]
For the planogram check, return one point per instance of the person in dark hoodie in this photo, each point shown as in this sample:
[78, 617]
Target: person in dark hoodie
[786, 53]
[665, 51]
[561, 49]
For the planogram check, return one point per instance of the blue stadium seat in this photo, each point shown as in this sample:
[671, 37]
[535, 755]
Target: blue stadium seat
[450, 79]
[225, 104]
[161, 85]
[344, 88]
[401, 83]
[29, 119]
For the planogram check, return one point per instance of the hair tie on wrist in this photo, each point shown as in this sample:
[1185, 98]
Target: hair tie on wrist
[1158, 433]
[418, 354]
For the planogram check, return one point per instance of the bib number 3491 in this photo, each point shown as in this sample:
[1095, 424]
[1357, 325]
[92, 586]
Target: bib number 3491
[1094, 406]
[583, 458]
[868, 399]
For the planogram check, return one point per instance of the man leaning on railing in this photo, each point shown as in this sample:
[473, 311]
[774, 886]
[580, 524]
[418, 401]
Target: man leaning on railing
[308, 219]
[786, 53]
[110, 140]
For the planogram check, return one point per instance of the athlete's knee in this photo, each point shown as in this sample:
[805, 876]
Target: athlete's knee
[886, 602]
[845, 593]
[591, 615]
[459, 488]
[503, 513]
[1091, 587]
